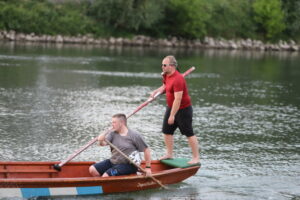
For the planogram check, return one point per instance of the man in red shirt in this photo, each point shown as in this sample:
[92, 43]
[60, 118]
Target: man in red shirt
[179, 112]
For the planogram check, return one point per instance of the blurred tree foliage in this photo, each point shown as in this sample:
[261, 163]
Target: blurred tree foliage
[292, 18]
[130, 15]
[257, 19]
[43, 17]
[269, 17]
[186, 19]
[231, 19]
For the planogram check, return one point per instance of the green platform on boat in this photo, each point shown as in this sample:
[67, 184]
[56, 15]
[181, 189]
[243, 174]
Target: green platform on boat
[178, 162]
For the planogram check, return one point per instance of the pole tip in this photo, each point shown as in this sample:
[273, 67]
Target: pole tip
[57, 167]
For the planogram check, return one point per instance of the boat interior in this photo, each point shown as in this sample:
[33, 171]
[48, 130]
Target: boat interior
[15, 170]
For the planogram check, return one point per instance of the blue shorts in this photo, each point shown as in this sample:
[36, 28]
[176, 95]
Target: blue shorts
[114, 169]
[183, 121]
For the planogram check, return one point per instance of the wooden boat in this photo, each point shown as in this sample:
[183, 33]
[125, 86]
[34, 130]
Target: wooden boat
[31, 179]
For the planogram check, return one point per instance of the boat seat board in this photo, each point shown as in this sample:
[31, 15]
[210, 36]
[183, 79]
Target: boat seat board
[178, 162]
[28, 171]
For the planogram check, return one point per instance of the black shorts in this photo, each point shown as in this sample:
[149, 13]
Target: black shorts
[114, 169]
[183, 120]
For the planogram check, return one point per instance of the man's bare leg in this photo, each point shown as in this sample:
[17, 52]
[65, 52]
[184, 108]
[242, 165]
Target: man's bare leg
[169, 141]
[93, 171]
[193, 142]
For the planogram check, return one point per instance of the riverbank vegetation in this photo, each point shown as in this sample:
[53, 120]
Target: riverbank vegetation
[266, 20]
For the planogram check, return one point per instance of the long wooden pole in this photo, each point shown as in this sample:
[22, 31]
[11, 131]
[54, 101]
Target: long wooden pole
[62, 163]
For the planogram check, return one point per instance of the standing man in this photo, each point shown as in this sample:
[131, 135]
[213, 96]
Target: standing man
[126, 140]
[179, 111]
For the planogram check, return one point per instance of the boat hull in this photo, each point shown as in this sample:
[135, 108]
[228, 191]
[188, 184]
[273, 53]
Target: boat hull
[29, 179]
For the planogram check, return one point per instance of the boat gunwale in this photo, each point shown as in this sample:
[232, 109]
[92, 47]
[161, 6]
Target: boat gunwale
[97, 179]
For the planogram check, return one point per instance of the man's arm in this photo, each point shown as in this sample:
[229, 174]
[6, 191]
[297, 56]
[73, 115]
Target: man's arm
[101, 139]
[161, 89]
[147, 156]
[175, 106]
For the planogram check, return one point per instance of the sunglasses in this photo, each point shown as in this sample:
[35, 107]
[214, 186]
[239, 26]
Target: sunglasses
[165, 65]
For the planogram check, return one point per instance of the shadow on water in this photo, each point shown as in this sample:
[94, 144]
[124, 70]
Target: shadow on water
[177, 191]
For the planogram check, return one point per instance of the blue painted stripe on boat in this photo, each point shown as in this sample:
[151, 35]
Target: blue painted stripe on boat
[89, 190]
[34, 192]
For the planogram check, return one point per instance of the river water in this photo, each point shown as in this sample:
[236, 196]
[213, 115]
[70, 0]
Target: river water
[56, 98]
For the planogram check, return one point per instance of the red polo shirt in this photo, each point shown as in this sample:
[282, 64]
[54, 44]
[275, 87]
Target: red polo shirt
[176, 83]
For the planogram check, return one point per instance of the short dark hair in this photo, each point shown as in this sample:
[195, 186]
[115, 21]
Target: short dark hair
[121, 117]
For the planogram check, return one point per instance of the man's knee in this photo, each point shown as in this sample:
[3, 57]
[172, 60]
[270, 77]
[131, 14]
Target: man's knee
[93, 171]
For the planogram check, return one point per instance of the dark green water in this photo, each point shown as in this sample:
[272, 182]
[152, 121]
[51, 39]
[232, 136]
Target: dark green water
[54, 99]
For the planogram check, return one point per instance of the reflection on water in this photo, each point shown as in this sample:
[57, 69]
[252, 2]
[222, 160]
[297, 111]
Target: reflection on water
[53, 100]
